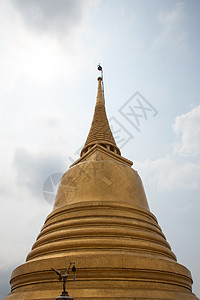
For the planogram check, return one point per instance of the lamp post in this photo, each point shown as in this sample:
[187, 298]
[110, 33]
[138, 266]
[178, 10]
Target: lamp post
[63, 277]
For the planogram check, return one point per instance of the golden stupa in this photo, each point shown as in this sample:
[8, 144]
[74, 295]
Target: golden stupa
[101, 221]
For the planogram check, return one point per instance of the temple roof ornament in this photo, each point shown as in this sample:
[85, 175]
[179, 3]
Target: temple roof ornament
[100, 132]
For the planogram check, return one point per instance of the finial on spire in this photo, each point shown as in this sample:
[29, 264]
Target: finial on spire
[100, 132]
[99, 68]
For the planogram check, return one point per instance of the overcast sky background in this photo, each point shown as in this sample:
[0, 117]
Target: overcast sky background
[49, 51]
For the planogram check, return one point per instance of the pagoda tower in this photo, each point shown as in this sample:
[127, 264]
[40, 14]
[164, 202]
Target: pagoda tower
[102, 222]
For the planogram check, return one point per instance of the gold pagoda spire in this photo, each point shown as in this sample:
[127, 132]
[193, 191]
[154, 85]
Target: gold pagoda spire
[101, 221]
[100, 132]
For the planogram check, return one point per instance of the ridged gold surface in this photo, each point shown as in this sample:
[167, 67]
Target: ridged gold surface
[102, 222]
[100, 129]
[117, 244]
[100, 132]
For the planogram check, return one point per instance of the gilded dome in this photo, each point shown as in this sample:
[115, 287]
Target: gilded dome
[102, 180]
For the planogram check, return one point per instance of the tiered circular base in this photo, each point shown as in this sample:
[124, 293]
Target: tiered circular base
[119, 250]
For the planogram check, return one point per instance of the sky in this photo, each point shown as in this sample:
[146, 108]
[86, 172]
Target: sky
[49, 52]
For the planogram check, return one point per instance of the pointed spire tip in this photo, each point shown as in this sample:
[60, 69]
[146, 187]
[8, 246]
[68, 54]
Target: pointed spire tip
[100, 131]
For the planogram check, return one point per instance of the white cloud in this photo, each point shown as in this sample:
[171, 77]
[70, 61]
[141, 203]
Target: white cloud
[172, 32]
[174, 172]
[55, 49]
[187, 130]
[56, 17]
[170, 174]
[32, 170]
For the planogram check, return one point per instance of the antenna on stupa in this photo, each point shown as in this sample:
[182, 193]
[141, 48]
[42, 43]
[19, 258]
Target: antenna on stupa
[99, 68]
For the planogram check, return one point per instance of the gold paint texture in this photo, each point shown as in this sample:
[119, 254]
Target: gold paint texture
[102, 222]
